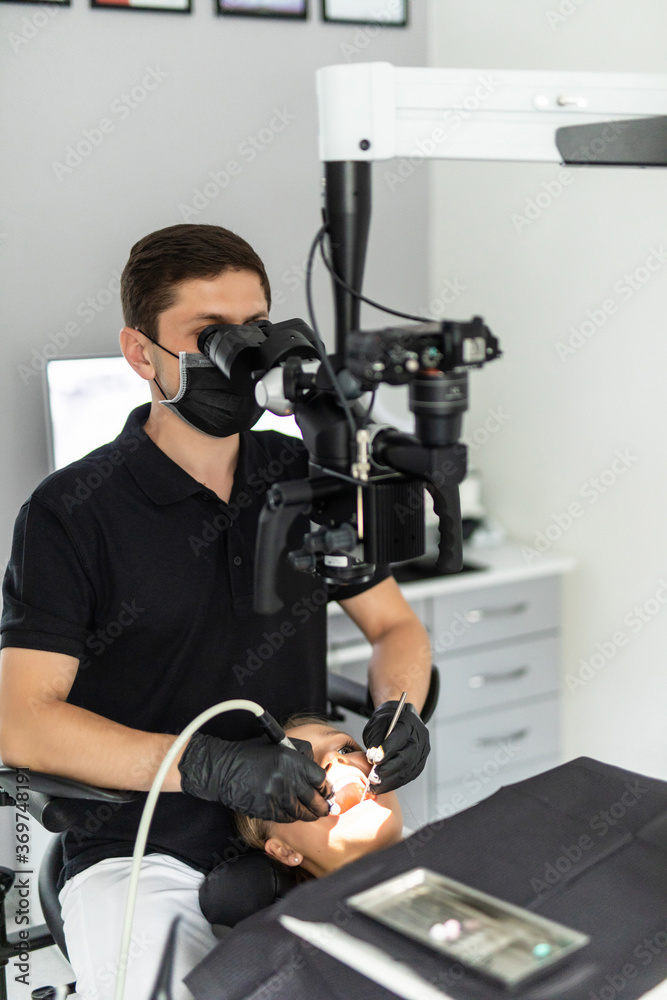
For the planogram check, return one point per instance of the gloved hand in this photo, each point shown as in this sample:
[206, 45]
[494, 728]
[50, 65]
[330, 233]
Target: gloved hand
[255, 777]
[405, 750]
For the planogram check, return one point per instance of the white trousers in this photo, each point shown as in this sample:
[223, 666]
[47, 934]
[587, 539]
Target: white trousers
[93, 906]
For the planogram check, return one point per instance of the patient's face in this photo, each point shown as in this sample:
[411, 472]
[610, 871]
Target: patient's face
[324, 845]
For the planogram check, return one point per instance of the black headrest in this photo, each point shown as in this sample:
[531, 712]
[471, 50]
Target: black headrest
[240, 887]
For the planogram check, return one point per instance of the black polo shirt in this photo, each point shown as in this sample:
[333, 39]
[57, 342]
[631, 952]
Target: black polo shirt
[126, 562]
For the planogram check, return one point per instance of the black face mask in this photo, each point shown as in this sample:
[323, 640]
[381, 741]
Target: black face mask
[205, 399]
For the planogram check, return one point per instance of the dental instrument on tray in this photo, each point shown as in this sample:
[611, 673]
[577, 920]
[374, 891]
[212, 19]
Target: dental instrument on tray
[375, 754]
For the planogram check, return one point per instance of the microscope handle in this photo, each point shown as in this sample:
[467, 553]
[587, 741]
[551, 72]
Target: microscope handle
[447, 506]
[272, 531]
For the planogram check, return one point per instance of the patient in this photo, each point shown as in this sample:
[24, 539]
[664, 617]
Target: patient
[321, 846]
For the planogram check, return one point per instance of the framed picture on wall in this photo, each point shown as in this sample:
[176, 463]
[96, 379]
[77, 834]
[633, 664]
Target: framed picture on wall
[295, 9]
[173, 6]
[393, 13]
[21, 38]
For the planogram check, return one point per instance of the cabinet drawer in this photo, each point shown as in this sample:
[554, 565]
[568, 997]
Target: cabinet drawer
[351, 662]
[491, 613]
[494, 739]
[343, 632]
[472, 788]
[484, 679]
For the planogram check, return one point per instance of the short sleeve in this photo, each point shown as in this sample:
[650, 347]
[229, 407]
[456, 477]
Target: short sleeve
[48, 599]
[342, 593]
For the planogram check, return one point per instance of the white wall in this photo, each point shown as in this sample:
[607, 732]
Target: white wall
[568, 417]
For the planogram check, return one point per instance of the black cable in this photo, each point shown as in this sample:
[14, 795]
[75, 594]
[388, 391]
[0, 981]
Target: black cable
[345, 403]
[358, 295]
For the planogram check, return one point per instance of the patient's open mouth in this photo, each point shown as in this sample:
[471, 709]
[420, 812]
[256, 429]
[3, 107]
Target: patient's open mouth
[348, 791]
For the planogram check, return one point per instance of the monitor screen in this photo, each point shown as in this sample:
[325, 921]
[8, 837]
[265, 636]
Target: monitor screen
[88, 400]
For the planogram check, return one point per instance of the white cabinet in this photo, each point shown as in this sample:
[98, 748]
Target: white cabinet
[495, 637]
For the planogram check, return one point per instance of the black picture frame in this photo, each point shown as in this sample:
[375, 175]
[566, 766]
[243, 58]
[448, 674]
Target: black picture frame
[143, 6]
[338, 12]
[269, 8]
[41, 3]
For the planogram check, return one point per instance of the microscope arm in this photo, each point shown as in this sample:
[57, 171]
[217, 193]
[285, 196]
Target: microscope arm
[377, 111]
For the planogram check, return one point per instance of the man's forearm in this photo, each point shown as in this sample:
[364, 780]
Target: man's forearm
[72, 742]
[401, 661]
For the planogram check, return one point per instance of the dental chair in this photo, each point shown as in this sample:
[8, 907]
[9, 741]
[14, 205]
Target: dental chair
[252, 879]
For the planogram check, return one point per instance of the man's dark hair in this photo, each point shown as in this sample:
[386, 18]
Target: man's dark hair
[163, 260]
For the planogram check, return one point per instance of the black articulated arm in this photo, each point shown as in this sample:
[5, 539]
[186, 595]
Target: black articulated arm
[347, 199]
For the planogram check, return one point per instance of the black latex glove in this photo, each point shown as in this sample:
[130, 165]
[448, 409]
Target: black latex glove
[405, 751]
[255, 777]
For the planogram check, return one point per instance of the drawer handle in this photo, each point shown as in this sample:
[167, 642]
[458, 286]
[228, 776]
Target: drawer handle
[494, 741]
[479, 680]
[478, 614]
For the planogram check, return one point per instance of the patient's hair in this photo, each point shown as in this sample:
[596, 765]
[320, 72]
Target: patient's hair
[161, 261]
[255, 831]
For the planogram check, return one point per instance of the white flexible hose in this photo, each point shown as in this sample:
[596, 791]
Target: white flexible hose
[147, 816]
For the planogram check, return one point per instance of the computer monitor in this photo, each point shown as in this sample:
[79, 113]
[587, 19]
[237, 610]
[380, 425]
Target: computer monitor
[88, 400]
